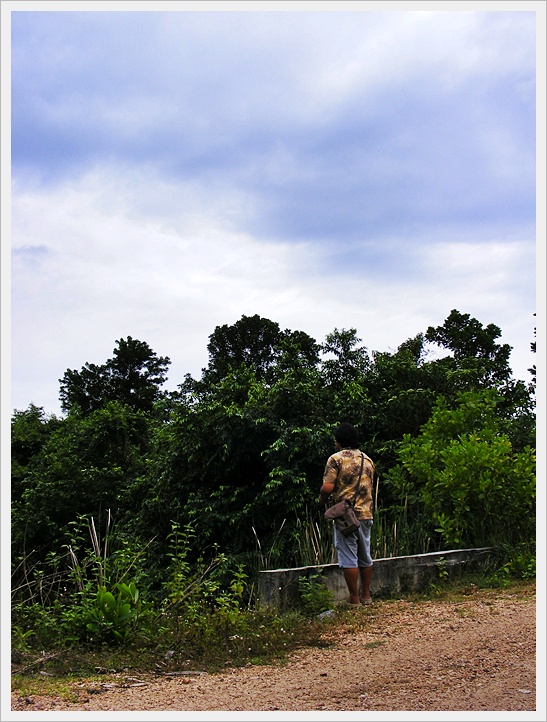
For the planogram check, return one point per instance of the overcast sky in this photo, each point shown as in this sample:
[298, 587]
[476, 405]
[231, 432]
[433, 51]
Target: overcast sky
[174, 170]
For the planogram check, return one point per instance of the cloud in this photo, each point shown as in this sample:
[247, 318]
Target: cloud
[335, 127]
[173, 171]
[122, 253]
[191, 91]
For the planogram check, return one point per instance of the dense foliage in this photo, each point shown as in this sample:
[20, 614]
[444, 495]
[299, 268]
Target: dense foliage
[233, 460]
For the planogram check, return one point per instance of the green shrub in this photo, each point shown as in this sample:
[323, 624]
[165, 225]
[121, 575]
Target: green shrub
[315, 596]
[114, 617]
[473, 486]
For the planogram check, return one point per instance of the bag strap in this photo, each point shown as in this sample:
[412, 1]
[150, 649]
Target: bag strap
[359, 480]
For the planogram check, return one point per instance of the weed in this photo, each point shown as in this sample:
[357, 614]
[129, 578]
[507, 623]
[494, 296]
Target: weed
[84, 596]
[257, 636]
[265, 559]
[20, 638]
[46, 687]
[315, 596]
[112, 617]
[442, 569]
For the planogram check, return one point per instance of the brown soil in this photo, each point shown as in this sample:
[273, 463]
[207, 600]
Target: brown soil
[474, 653]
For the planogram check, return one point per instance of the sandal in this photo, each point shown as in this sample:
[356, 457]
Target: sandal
[349, 605]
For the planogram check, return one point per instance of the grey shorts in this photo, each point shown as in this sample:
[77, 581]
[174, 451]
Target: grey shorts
[354, 550]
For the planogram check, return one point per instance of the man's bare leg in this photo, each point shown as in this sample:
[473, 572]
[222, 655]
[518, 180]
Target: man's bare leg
[351, 575]
[366, 574]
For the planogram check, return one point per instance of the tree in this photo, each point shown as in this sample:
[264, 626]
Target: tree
[242, 439]
[252, 341]
[348, 360]
[297, 352]
[479, 362]
[30, 431]
[532, 370]
[87, 465]
[243, 449]
[402, 389]
[477, 359]
[133, 376]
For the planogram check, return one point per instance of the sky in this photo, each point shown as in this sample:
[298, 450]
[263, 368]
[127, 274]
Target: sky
[168, 167]
[173, 169]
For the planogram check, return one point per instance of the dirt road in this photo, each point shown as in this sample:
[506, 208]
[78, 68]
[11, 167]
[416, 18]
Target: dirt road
[477, 653]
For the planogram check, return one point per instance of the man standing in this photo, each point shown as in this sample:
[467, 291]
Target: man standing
[340, 479]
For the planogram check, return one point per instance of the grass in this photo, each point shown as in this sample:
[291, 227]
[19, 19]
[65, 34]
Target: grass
[210, 644]
[262, 637]
[206, 626]
[65, 688]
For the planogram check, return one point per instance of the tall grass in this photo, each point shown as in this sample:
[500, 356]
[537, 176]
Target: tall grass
[400, 529]
[308, 542]
[268, 558]
[314, 539]
[200, 620]
[395, 535]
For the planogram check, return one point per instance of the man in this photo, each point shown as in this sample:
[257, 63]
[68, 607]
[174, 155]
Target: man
[340, 479]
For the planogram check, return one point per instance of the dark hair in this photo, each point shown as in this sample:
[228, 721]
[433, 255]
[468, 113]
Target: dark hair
[346, 435]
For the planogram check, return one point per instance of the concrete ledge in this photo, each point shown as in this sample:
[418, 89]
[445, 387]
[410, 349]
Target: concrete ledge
[391, 576]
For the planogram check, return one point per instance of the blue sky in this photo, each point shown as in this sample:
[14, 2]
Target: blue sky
[174, 170]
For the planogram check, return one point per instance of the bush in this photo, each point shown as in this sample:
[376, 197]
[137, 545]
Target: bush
[474, 488]
[314, 595]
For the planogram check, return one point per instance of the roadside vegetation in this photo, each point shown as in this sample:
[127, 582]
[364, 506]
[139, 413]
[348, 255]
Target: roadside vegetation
[253, 637]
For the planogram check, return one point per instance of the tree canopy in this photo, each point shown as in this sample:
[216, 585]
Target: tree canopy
[133, 376]
[239, 453]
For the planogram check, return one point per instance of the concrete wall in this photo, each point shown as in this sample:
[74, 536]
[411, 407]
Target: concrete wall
[391, 576]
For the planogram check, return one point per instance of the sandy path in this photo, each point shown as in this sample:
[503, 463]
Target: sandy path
[475, 654]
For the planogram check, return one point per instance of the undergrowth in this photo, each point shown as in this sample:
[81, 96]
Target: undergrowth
[100, 618]
[257, 636]
[263, 637]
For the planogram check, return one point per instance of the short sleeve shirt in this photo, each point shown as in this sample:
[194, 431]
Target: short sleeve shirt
[342, 470]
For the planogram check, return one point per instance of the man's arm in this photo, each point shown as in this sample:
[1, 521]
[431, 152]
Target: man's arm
[325, 491]
[329, 480]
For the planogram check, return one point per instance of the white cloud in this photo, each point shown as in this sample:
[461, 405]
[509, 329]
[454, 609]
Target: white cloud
[116, 266]
[174, 171]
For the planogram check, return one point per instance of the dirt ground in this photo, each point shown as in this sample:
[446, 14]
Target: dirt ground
[477, 653]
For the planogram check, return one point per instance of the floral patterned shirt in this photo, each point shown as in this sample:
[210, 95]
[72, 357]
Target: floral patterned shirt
[342, 470]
